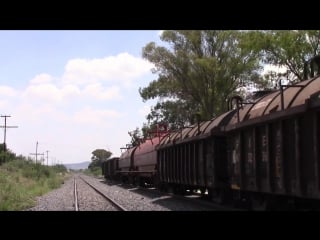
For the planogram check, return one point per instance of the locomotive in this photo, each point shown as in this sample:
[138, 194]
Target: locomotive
[263, 152]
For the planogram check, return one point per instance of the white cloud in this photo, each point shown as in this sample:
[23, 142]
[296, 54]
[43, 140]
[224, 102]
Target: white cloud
[98, 92]
[88, 115]
[7, 91]
[121, 68]
[41, 113]
[160, 32]
[69, 91]
[81, 107]
[41, 79]
[3, 104]
[43, 92]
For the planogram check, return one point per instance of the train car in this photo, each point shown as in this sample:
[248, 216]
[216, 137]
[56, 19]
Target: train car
[138, 165]
[110, 167]
[264, 152]
[195, 158]
[103, 168]
[125, 165]
[273, 147]
[145, 162]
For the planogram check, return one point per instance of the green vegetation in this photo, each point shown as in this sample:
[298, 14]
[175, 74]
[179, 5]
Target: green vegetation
[198, 71]
[21, 181]
[94, 171]
[98, 156]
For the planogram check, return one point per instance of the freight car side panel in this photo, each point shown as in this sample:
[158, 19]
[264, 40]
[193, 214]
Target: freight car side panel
[160, 161]
[145, 162]
[276, 157]
[291, 156]
[126, 159]
[235, 161]
[144, 158]
[209, 146]
[201, 164]
[220, 163]
[248, 153]
[262, 158]
[308, 161]
[184, 164]
[316, 151]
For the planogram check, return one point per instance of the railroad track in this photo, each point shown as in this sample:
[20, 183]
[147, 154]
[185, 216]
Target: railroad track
[109, 199]
[194, 199]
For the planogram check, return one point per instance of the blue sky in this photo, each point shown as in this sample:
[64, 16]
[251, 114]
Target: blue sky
[73, 91]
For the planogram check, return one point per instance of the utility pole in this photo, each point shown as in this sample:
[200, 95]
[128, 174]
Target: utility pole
[5, 131]
[36, 152]
[47, 157]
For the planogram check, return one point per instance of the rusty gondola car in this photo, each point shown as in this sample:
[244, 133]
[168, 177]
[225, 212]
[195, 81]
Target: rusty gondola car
[109, 168]
[273, 147]
[195, 158]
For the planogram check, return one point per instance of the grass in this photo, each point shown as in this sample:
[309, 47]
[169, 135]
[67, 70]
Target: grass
[96, 171]
[21, 181]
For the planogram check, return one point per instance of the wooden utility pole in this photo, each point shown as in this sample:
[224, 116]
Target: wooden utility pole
[36, 152]
[47, 157]
[5, 131]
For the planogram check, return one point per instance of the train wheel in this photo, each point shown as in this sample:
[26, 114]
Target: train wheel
[140, 182]
[259, 204]
[170, 189]
[180, 189]
[203, 191]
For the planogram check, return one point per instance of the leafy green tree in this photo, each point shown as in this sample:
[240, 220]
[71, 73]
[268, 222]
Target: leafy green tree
[6, 155]
[176, 114]
[285, 48]
[136, 137]
[197, 73]
[98, 156]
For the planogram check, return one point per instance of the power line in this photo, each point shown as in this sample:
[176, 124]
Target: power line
[5, 133]
[36, 152]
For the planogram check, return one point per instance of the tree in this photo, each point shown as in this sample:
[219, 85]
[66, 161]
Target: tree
[98, 156]
[6, 156]
[176, 114]
[197, 73]
[290, 49]
[136, 137]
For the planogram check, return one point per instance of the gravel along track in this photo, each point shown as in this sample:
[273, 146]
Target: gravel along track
[133, 199]
[129, 197]
[90, 200]
[61, 199]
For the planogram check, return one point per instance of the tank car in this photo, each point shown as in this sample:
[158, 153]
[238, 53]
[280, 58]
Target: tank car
[125, 165]
[138, 165]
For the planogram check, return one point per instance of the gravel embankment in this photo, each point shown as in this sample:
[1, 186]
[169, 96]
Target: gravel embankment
[61, 199]
[134, 199]
[131, 198]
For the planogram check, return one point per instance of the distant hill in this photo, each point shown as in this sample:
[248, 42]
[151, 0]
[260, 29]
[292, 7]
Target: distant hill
[76, 166]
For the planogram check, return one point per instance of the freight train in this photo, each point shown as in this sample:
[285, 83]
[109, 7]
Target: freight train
[264, 153]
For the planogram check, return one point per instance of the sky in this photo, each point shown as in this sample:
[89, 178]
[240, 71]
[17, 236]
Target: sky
[73, 91]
